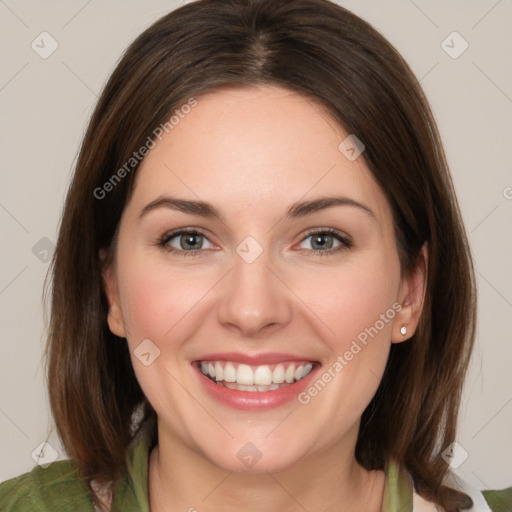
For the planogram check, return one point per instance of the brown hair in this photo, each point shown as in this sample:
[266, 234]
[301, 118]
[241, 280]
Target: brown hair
[324, 52]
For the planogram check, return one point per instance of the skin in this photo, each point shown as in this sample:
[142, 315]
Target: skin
[252, 153]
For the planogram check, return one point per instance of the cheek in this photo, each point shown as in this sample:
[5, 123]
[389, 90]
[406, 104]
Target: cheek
[351, 299]
[358, 310]
[157, 299]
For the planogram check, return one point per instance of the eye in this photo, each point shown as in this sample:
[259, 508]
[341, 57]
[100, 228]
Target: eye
[325, 241]
[192, 242]
[185, 242]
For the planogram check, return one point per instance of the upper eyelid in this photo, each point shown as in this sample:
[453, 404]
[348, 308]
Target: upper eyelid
[328, 231]
[180, 231]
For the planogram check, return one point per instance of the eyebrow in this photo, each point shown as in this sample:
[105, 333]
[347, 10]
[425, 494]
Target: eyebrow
[207, 210]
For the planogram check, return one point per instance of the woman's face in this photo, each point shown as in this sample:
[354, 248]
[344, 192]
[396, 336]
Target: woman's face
[274, 278]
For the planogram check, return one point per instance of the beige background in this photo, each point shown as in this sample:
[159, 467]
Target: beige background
[45, 104]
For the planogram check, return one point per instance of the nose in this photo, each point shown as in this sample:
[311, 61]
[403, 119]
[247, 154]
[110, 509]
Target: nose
[254, 299]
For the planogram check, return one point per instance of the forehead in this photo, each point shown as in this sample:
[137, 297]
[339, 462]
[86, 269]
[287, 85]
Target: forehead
[261, 147]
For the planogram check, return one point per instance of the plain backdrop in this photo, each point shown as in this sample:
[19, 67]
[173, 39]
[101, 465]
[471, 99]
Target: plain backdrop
[46, 103]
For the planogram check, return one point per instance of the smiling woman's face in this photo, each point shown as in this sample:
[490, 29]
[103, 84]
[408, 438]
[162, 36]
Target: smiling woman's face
[266, 291]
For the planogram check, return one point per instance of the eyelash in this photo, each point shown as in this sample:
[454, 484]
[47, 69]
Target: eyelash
[194, 253]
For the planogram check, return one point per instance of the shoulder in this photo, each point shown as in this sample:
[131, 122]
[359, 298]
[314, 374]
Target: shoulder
[400, 493]
[483, 501]
[58, 486]
[54, 488]
[499, 501]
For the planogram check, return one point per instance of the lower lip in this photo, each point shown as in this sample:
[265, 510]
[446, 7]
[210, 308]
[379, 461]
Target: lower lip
[251, 400]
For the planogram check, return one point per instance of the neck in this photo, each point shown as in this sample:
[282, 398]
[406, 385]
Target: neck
[181, 479]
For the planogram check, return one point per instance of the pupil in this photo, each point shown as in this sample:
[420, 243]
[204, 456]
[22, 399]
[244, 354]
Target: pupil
[188, 241]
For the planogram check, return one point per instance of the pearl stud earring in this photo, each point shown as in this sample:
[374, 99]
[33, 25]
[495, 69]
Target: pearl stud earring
[403, 330]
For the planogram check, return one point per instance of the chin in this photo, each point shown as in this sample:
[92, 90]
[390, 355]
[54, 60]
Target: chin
[255, 457]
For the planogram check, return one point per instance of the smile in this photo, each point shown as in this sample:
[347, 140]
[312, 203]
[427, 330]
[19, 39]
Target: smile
[262, 378]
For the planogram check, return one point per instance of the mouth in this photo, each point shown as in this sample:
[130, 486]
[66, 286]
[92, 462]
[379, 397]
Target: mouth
[244, 377]
[250, 386]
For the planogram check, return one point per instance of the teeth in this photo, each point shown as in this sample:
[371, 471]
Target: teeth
[244, 375]
[229, 373]
[290, 374]
[258, 378]
[278, 374]
[241, 387]
[306, 369]
[219, 372]
[263, 376]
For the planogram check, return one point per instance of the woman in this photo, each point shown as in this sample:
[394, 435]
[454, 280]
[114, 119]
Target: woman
[262, 292]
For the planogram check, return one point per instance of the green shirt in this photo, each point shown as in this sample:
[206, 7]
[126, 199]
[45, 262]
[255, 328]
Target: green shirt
[58, 488]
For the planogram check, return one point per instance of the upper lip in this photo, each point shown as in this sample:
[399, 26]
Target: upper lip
[254, 359]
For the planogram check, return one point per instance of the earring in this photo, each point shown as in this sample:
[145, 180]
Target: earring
[403, 330]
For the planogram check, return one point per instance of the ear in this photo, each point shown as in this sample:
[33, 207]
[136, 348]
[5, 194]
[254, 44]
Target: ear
[115, 313]
[411, 298]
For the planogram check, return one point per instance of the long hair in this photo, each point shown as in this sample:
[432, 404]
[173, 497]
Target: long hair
[322, 51]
